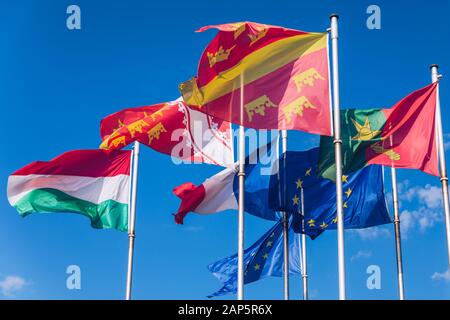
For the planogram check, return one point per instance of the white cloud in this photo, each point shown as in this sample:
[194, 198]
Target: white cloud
[441, 276]
[426, 214]
[447, 141]
[372, 233]
[12, 284]
[361, 254]
[423, 218]
[429, 195]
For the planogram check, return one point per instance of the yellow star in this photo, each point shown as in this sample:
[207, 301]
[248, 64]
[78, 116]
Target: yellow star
[295, 199]
[344, 178]
[269, 244]
[348, 192]
[365, 131]
[299, 184]
[323, 225]
[257, 267]
[312, 223]
[308, 172]
[265, 256]
[335, 220]
[345, 205]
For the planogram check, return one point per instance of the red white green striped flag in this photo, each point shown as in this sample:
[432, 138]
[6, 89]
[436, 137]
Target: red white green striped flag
[87, 182]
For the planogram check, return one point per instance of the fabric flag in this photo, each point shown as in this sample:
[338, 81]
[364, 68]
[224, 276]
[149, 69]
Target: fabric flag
[221, 191]
[401, 137]
[87, 182]
[171, 128]
[364, 200]
[263, 259]
[284, 74]
[365, 204]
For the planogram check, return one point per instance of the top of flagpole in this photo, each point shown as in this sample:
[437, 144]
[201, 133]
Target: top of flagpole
[333, 15]
[434, 65]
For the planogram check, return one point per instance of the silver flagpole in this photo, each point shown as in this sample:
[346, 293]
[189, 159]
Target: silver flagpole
[303, 256]
[338, 156]
[132, 220]
[241, 176]
[285, 221]
[441, 151]
[398, 240]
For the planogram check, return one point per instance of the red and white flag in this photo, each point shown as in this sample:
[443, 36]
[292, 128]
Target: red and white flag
[171, 128]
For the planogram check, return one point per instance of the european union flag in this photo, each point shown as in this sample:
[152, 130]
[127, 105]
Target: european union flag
[262, 259]
[363, 199]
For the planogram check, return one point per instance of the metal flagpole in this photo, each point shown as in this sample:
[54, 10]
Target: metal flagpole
[338, 156]
[303, 256]
[241, 176]
[132, 220]
[285, 221]
[398, 241]
[441, 151]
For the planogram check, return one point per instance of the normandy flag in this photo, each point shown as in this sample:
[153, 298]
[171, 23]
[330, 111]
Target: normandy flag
[400, 137]
[283, 74]
[171, 128]
[87, 182]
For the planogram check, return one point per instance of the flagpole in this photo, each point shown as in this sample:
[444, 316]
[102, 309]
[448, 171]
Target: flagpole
[285, 220]
[338, 156]
[241, 177]
[398, 241]
[441, 151]
[132, 220]
[303, 256]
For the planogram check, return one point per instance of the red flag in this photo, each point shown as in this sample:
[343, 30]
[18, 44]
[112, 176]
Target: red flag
[284, 75]
[171, 128]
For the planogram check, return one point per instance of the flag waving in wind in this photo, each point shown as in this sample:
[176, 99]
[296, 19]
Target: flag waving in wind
[364, 200]
[87, 182]
[284, 74]
[171, 128]
[263, 259]
[401, 137]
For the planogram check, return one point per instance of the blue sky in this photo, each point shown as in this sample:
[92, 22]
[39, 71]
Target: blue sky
[57, 84]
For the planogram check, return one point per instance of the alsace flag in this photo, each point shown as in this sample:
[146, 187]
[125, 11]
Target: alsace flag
[171, 128]
[401, 137]
[283, 74]
[88, 182]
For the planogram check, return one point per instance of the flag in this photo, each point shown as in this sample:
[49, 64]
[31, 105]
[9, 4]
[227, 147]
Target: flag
[364, 201]
[221, 191]
[400, 137]
[87, 182]
[171, 128]
[285, 78]
[263, 259]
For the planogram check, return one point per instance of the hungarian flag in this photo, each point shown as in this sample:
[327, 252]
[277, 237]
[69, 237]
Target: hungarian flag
[283, 75]
[88, 182]
[171, 128]
[400, 137]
